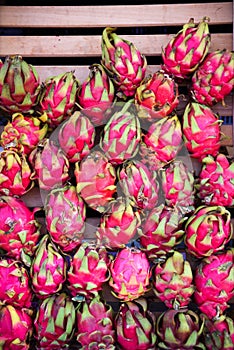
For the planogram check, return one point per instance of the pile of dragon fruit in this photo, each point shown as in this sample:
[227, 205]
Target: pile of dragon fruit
[118, 148]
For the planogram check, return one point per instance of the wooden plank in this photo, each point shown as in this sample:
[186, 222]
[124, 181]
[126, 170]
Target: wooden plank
[80, 46]
[120, 15]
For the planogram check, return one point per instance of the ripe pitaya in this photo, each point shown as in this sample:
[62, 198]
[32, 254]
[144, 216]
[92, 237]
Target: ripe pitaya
[65, 213]
[16, 327]
[215, 184]
[119, 224]
[95, 178]
[162, 142]
[214, 283]
[123, 62]
[214, 78]
[187, 49]
[96, 95]
[135, 326]
[139, 184]
[88, 270]
[130, 274]
[208, 230]
[48, 269]
[24, 132]
[15, 287]
[50, 165]
[95, 325]
[179, 329]
[19, 85]
[15, 173]
[122, 134]
[173, 281]
[54, 322]
[19, 230]
[76, 137]
[162, 230]
[201, 129]
[157, 96]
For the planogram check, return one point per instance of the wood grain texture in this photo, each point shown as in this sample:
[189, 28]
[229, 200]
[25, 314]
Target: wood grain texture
[120, 16]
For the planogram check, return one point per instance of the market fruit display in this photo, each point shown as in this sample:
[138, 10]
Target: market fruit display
[131, 244]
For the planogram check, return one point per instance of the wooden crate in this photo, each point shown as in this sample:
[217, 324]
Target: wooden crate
[56, 39]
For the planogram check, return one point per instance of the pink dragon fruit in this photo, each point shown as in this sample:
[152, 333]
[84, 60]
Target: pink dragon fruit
[157, 96]
[76, 137]
[161, 143]
[23, 132]
[187, 49]
[201, 129]
[119, 224]
[19, 230]
[15, 173]
[15, 289]
[139, 184]
[96, 95]
[214, 78]
[65, 213]
[48, 269]
[135, 326]
[58, 97]
[88, 270]
[213, 279]
[215, 184]
[54, 322]
[16, 328]
[208, 230]
[123, 61]
[19, 85]
[130, 274]
[95, 179]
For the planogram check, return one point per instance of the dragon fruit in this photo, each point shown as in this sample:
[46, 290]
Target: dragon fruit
[16, 328]
[173, 281]
[162, 230]
[96, 95]
[161, 143]
[213, 279]
[157, 96]
[19, 85]
[179, 329]
[19, 230]
[208, 230]
[58, 97]
[23, 132]
[54, 322]
[214, 78]
[122, 134]
[187, 49]
[15, 173]
[50, 165]
[65, 213]
[123, 61]
[48, 269]
[215, 185]
[95, 325]
[95, 179]
[76, 137]
[15, 289]
[201, 129]
[88, 270]
[135, 326]
[178, 186]
[139, 184]
[118, 225]
[130, 274]
[219, 333]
